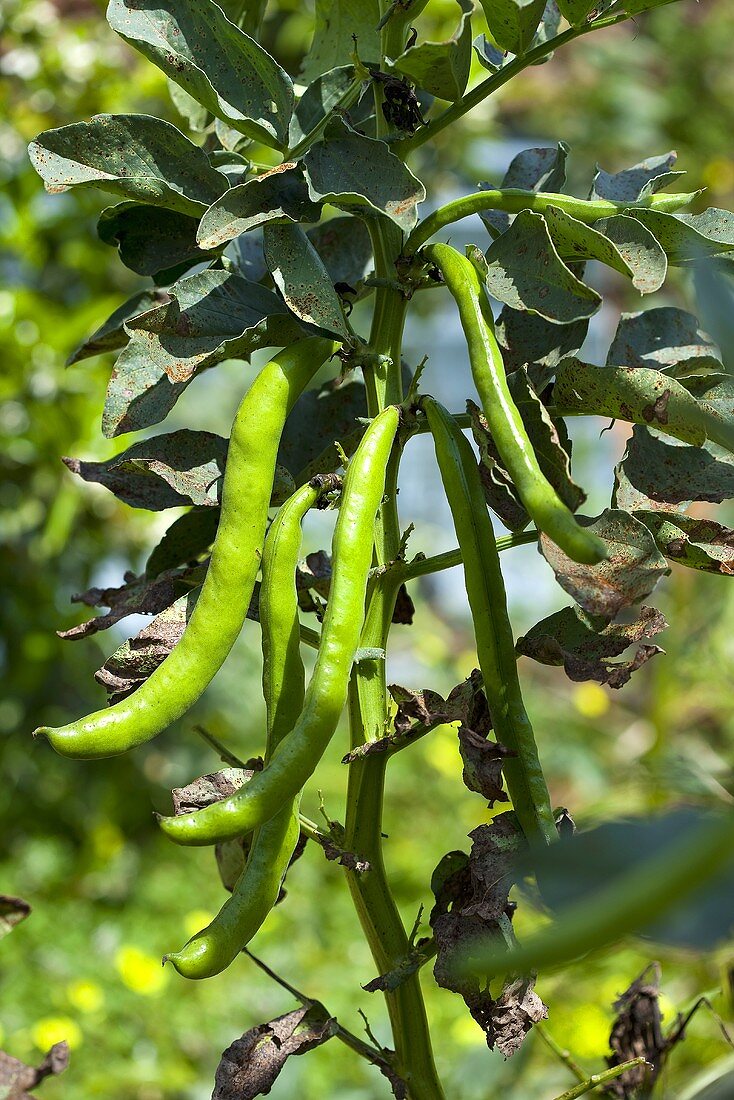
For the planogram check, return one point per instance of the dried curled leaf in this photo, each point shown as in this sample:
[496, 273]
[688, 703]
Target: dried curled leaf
[584, 645]
[632, 569]
[137, 596]
[208, 789]
[17, 1080]
[472, 901]
[637, 1033]
[251, 1065]
[12, 912]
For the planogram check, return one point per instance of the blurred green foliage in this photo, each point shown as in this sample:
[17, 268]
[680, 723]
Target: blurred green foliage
[109, 895]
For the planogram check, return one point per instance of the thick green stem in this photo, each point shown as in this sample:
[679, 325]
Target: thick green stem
[368, 708]
[512, 200]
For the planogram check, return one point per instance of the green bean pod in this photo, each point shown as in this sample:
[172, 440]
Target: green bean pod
[540, 499]
[256, 891]
[297, 756]
[224, 598]
[495, 644]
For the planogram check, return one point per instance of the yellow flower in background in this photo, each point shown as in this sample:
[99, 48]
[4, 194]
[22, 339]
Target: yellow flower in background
[85, 996]
[718, 175]
[584, 1032]
[591, 700]
[56, 1029]
[442, 750]
[140, 972]
[107, 840]
[196, 920]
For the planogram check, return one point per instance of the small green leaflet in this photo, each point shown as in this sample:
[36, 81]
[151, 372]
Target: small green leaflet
[111, 334]
[576, 11]
[526, 272]
[513, 23]
[150, 239]
[638, 182]
[213, 60]
[302, 279]
[337, 21]
[136, 156]
[350, 170]
[687, 540]
[441, 68]
[690, 236]
[664, 475]
[638, 255]
[665, 338]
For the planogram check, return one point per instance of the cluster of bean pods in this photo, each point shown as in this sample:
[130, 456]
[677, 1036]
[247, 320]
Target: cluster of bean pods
[302, 720]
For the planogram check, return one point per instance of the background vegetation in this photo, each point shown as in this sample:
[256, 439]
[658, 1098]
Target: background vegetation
[109, 894]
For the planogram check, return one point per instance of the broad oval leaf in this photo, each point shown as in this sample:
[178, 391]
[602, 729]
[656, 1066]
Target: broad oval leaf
[280, 194]
[350, 170]
[715, 396]
[686, 540]
[636, 394]
[345, 248]
[320, 98]
[513, 23]
[686, 237]
[526, 273]
[632, 569]
[150, 240]
[637, 255]
[300, 276]
[537, 169]
[664, 475]
[112, 334]
[490, 56]
[210, 317]
[338, 23]
[638, 182]
[527, 339]
[665, 338]
[213, 60]
[441, 68]
[136, 156]
[321, 418]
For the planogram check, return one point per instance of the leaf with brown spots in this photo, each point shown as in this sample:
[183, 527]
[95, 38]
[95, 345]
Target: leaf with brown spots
[299, 274]
[698, 543]
[632, 569]
[251, 1065]
[660, 475]
[664, 338]
[12, 912]
[279, 194]
[112, 334]
[585, 645]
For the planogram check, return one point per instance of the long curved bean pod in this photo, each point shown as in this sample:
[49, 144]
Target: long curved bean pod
[256, 891]
[225, 596]
[295, 759]
[539, 497]
[495, 644]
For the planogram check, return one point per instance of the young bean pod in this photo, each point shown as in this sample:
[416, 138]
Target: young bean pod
[488, 603]
[225, 595]
[256, 891]
[539, 497]
[297, 756]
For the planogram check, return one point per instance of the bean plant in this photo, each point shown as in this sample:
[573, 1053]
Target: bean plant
[291, 212]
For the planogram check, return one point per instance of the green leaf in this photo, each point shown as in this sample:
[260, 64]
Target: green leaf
[188, 538]
[351, 171]
[302, 279]
[715, 298]
[539, 169]
[192, 112]
[690, 236]
[212, 316]
[585, 645]
[698, 543]
[549, 440]
[233, 166]
[149, 239]
[660, 475]
[136, 156]
[320, 418]
[499, 490]
[513, 23]
[639, 182]
[576, 11]
[169, 471]
[111, 333]
[320, 98]
[216, 63]
[715, 396]
[664, 338]
[526, 272]
[276, 195]
[526, 338]
[636, 394]
[441, 68]
[337, 21]
[490, 56]
[637, 255]
[345, 247]
[244, 256]
[628, 575]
